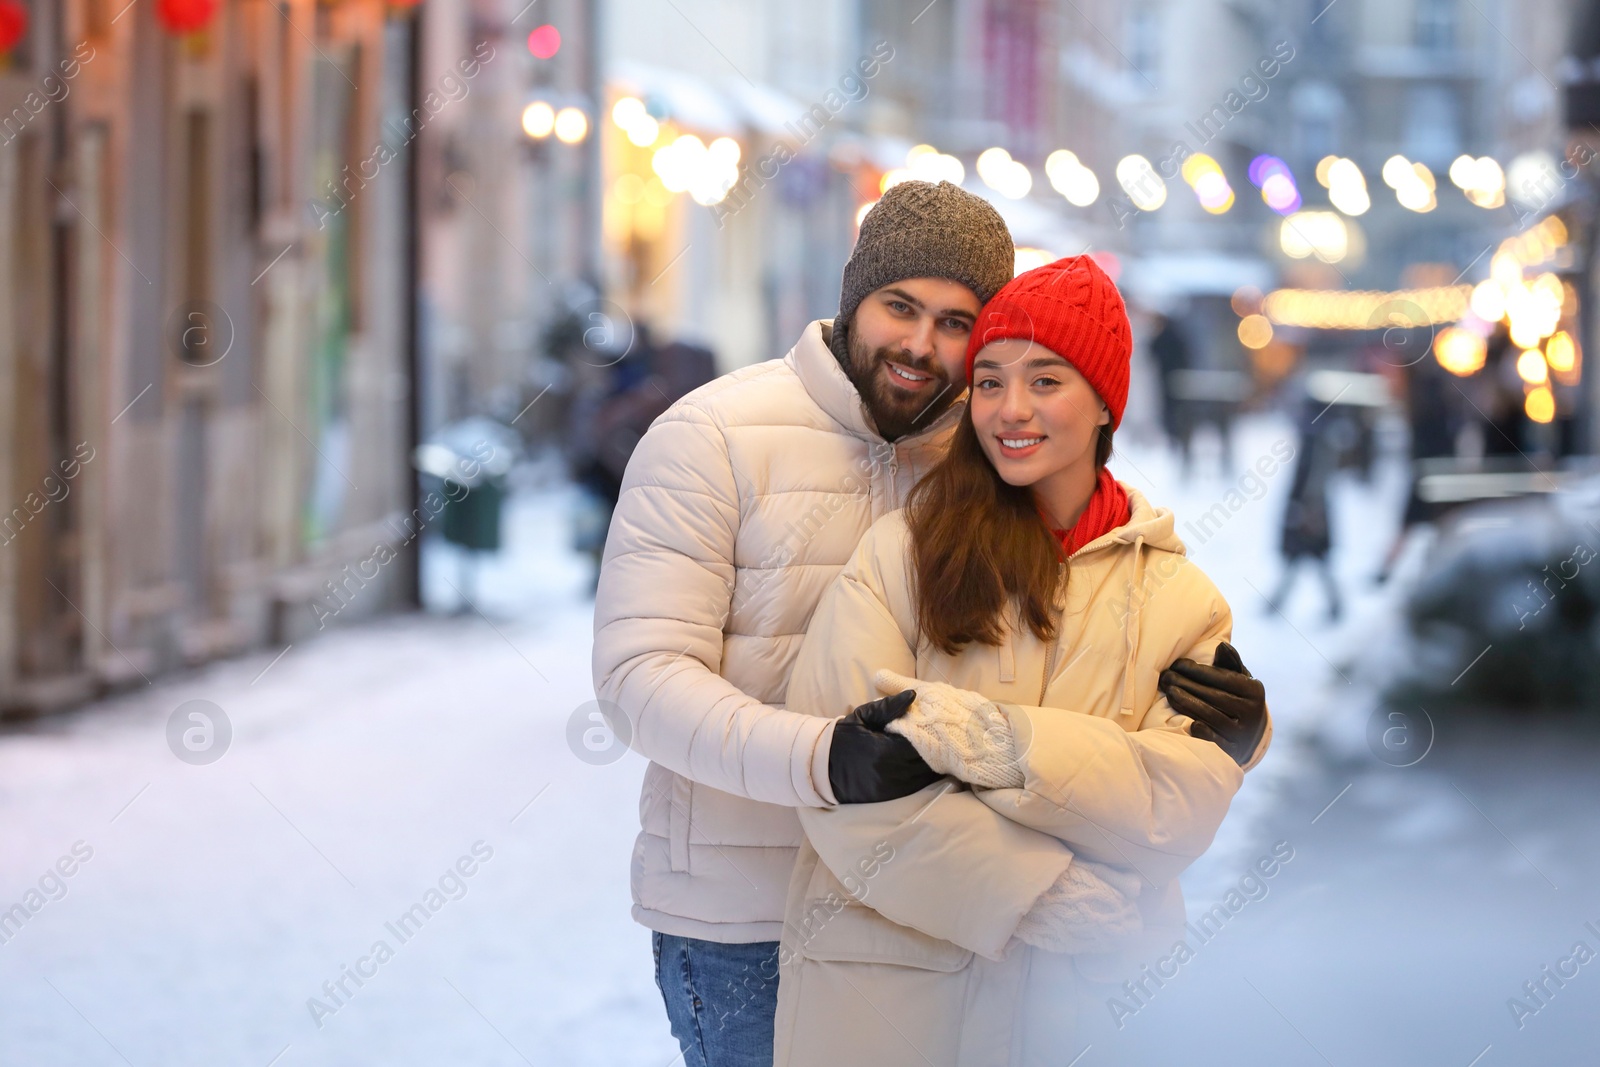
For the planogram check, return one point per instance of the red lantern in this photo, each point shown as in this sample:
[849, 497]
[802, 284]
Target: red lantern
[183, 17]
[13, 24]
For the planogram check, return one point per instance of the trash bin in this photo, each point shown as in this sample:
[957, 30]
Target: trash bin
[470, 459]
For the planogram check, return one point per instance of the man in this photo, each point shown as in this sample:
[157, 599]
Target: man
[739, 507]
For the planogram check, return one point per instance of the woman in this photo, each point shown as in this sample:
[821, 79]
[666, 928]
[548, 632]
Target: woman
[1031, 602]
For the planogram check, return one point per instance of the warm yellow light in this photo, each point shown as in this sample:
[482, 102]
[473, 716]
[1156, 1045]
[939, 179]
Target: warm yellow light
[644, 131]
[629, 188]
[1003, 174]
[1324, 166]
[918, 151]
[1338, 309]
[1255, 331]
[1459, 351]
[1069, 177]
[1531, 367]
[892, 178]
[627, 111]
[1540, 404]
[1028, 258]
[1561, 353]
[1141, 182]
[538, 119]
[861, 212]
[571, 125]
[1488, 301]
[1319, 233]
[1524, 331]
[1504, 268]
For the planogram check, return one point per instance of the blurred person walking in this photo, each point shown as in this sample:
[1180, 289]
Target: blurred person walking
[740, 505]
[1307, 530]
[1169, 348]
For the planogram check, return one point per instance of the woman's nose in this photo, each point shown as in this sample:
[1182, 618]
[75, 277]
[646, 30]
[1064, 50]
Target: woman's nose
[1016, 406]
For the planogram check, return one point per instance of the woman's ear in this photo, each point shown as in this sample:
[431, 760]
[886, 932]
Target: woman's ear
[1105, 415]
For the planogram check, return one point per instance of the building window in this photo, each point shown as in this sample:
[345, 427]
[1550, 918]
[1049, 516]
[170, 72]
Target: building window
[1435, 28]
[1143, 40]
[1433, 124]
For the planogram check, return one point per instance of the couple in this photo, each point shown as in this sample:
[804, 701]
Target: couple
[936, 709]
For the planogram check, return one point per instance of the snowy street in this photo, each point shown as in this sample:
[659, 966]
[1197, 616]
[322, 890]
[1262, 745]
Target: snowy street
[231, 912]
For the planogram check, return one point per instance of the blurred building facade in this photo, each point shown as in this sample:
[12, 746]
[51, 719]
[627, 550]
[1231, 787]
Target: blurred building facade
[205, 333]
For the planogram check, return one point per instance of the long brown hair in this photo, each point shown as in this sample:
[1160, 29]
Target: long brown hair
[978, 543]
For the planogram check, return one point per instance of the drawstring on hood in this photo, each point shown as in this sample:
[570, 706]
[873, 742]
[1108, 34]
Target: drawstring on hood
[1146, 528]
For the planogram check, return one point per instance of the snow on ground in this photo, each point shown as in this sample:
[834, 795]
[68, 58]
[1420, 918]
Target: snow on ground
[366, 765]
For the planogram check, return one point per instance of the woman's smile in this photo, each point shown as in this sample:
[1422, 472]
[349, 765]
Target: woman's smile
[1019, 445]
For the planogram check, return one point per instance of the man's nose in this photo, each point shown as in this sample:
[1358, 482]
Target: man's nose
[919, 342]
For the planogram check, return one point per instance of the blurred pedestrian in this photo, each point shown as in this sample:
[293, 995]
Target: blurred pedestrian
[1432, 416]
[1169, 348]
[1307, 529]
[630, 384]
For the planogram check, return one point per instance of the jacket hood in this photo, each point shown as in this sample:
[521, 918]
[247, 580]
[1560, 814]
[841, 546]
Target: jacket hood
[1147, 524]
[1147, 527]
[834, 392]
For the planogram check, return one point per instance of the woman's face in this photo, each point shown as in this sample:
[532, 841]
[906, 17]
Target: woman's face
[1035, 414]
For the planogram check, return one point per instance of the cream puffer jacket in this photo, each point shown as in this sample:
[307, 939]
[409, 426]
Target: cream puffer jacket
[739, 507]
[899, 915]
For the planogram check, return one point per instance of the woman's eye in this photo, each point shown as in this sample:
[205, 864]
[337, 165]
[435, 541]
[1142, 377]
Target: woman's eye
[1045, 382]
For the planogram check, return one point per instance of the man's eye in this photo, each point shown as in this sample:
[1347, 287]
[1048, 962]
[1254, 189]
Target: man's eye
[958, 325]
[900, 306]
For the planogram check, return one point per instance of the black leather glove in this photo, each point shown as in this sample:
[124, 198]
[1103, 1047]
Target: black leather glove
[1228, 706]
[866, 765]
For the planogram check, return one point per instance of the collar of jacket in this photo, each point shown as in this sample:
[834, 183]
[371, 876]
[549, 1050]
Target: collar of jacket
[825, 380]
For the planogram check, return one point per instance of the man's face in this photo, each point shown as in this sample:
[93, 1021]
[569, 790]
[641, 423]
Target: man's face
[908, 351]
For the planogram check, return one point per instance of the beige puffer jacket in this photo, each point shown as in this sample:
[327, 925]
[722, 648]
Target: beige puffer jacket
[739, 507]
[910, 905]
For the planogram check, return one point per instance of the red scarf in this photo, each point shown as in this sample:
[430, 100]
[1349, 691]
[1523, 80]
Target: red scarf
[1107, 509]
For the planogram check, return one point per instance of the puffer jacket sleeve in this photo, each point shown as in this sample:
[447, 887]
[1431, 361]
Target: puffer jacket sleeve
[664, 598]
[1148, 800]
[960, 871]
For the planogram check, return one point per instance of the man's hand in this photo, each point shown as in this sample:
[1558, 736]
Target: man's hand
[867, 765]
[1228, 706]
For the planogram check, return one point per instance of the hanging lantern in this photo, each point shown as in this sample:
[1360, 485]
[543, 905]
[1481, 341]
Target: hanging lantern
[183, 17]
[13, 24]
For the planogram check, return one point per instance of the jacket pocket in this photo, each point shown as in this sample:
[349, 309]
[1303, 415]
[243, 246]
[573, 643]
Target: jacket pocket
[679, 819]
[857, 934]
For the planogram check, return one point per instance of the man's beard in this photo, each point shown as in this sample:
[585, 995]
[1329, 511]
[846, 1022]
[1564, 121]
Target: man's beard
[895, 413]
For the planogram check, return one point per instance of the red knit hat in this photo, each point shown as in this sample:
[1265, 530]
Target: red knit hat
[1072, 308]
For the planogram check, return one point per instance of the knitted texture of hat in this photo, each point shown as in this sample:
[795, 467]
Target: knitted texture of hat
[924, 230]
[1072, 308]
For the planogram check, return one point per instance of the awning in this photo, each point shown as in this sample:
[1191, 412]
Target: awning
[1162, 278]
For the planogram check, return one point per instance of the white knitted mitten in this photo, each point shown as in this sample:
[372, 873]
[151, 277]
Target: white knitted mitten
[957, 731]
[1090, 908]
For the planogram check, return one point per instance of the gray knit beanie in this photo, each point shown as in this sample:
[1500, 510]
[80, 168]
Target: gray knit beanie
[923, 230]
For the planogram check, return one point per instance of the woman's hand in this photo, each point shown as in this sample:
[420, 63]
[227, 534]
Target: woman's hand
[1090, 908]
[957, 731]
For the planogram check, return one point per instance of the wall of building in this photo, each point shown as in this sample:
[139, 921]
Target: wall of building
[203, 355]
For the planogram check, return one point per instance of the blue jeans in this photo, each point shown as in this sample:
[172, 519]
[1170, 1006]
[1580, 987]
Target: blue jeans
[720, 999]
